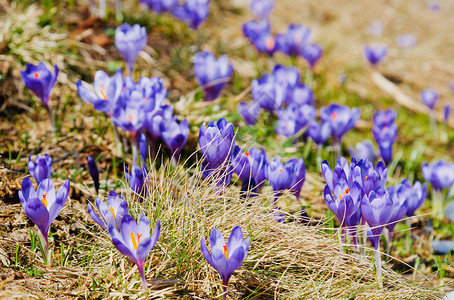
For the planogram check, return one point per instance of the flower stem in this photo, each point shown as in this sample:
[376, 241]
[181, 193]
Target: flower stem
[51, 118]
[364, 236]
[142, 277]
[377, 261]
[224, 289]
[408, 237]
[45, 245]
[437, 204]
[336, 149]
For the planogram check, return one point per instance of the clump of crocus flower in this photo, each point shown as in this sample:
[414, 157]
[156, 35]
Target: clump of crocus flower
[160, 6]
[430, 97]
[175, 135]
[110, 213]
[249, 111]
[217, 141]
[130, 40]
[375, 53]
[133, 240]
[41, 81]
[261, 8]
[42, 206]
[294, 40]
[94, 173]
[440, 174]
[226, 257]
[212, 74]
[247, 165]
[312, 54]
[385, 133]
[364, 150]
[41, 168]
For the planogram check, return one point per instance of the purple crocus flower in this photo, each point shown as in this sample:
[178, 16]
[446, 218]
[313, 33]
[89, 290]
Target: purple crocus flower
[216, 141]
[399, 195]
[370, 178]
[160, 6]
[134, 240]
[294, 118]
[249, 111]
[211, 74]
[266, 43]
[130, 40]
[342, 118]
[301, 94]
[175, 136]
[364, 150]
[106, 91]
[154, 119]
[151, 93]
[226, 257]
[312, 54]
[376, 209]
[40, 80]
[279, 176]
[406, 40]
[143, 147]
[384, 118]
[375, 53]
[294, 40]
[416, 197]
[447, 112]
[193, 12]
[269, 93]
[260, 177]
[440, 174]
[299, 175]
[375, 28]
[385, 138]
[94, 173]
[41, 168]
[319, 133]
[110, 213]
[137, 180]
[253, 30]
[261, 8]
[289, 76]
[129, 118]
[429, 97]
[43, 206]
[246, 165]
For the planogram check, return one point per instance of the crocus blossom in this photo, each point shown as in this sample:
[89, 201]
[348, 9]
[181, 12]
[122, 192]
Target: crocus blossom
[429, 97]
[268, 92]
[249, 111]
[143, 147]
[106, 91]
[253, 30]
[216, 141]
[160, 6]
[293, 118]
[399, 195]
[212, 74]
[134, 240]
[226, 257]
[192, 12]
[341, 117]
[110, 213]
[94, 173]
[130, 40]
[312, 54]
[137, 180]
[175, 135]
[385, 137]
[319, 133]
[42, 206]
[364, 150]
[293, 40]
[246, 165]
[375, 53]
[280, 176]
[261, 8]
[440, 174]
[299, 175]
[41, 168]
[40, 80]
[447, 112]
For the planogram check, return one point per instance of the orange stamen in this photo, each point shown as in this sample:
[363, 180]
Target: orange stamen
[280, 170]
[365, 178]
[246, 153]
[346, 191]
[226, 252]
[130, 119]
[270, 44]
[37, 75]
[112, 211]
[133, 239]
[103, 94]
[44, 200]
[144, 99]
[334, 116]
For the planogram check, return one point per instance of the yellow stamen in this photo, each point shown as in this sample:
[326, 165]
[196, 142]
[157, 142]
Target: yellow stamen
[112, 211]
[130, 119]
[226, 252]
[133, 239]
[44, 200]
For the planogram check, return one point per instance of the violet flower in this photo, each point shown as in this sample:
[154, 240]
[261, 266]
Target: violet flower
[143, 147]
[137, 180]
[160, 6]
[261, 8]
[312, 54]
[440, 174]
[385, 138]
[130, 40]
[193, 12]
[211, 74]
[153, 122]
[40, 80]
[175, 136]
[364, 150]
[279, 176]
[294, 118]
[216, 141]
[260, 177]
[342, 118]
[399, 195]
[383, 118]
[134, 240]
[319, 133]
[447, 112]
[293, 40]
[110, 213]
[376, 209]
[226, 257]
[266, 43]
[406, 41]
[429, 97]
[41, 168]
[301, 94]
[269, 93]
[106, 91]
[299, 176]
[249, 111]
[94, 173]
[253, 30]
[375, 53]
[43, 206]
[244, 164]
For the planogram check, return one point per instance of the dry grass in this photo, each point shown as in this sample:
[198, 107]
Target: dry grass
[285, 260]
